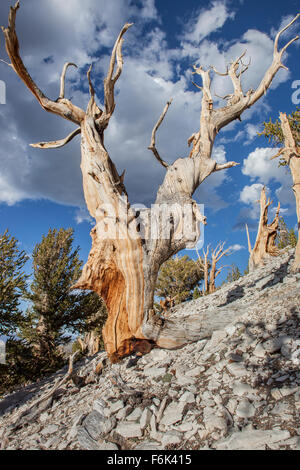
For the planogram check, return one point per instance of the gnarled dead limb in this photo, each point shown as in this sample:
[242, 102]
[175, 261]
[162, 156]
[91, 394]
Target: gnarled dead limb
[224, 166]
[63, 108]
[240, 101]
[266, 234]
[111, 78]
[152, 145]
[63, 78]
[57, 143]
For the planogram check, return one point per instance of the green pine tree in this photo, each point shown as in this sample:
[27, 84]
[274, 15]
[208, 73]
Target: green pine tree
[12, 283]
[56, 311]
[179, 276]
[234, 274]
[273, 132]
[285, 236]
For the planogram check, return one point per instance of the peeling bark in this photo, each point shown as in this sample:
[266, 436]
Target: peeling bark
[128, 248]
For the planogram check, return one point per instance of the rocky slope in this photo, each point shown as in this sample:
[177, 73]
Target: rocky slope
[237, 389]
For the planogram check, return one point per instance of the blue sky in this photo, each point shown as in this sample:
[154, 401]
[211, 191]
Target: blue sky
[40, 189]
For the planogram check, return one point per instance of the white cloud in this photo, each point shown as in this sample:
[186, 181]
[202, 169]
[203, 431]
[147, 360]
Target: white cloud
[207, 21]
[251, 194]
[259, 165]
[82, 215]
[236, 247]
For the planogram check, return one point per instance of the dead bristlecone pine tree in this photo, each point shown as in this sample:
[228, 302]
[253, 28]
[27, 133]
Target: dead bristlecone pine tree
[209, 266]
[264, 246]
[128, 247]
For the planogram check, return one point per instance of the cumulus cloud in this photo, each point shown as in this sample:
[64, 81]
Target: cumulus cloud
[258, 165]
[236, 247]
[207, 21]
[251, 194]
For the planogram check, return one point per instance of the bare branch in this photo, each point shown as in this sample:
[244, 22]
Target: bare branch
[110, 80]
[220, 270]
[197, 86]
[279, 34]
[219, 73]
[6, 63]
[239, 101]
[280, 152]
[224, 166]
[248, 238]
[63, 108]
[152, 144]
[275, 66]
[57, 143]
[63, 78]
[205, 80]
[226, 97]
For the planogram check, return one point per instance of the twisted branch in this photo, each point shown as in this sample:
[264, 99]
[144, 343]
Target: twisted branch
[152, 144]
[57, 143]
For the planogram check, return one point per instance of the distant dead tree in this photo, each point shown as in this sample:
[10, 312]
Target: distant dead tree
[128, 247]
[264, 246]
[209, 265]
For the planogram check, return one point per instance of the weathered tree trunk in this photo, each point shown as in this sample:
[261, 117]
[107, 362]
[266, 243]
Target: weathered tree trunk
[266, 234]
[128, 248]
[291, 154]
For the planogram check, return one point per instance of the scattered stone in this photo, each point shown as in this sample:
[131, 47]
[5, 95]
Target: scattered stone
[51, 429]
[259, 351]
[135, 415]
[98, 425]
[213, 422]
[145, 418]
[129, 430]
[252, 440]
[242, 383]
[173, 413]
[240, 388]
[118, 405]
[155, 371]
[237, 369]
[148, 445]
[245, 409]
[85, 441]
[171, 437]
[187, 397]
